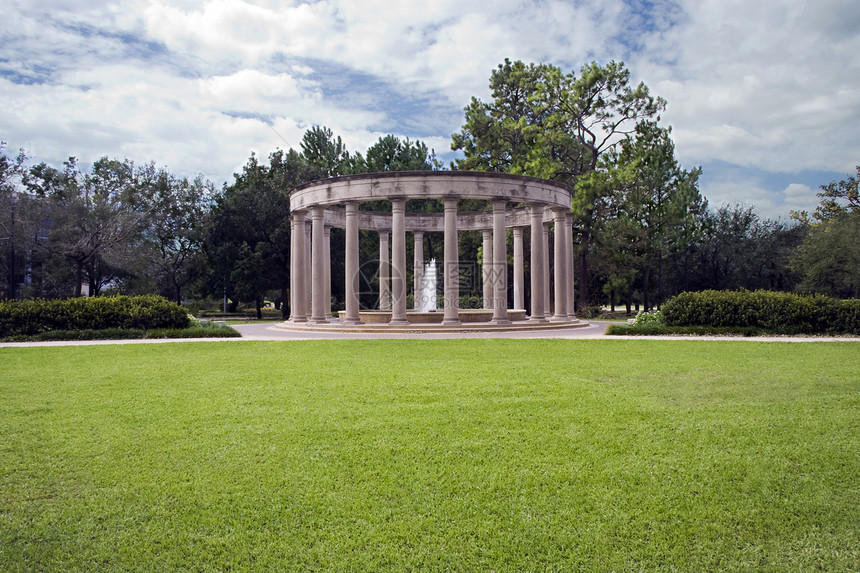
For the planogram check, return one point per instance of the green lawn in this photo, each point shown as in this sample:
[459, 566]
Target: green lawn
[469, 455]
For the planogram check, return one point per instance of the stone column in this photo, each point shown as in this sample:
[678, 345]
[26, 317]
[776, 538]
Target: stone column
[327, 289]
[571, 263]
[487, 268]
[560, 267]
[547, 311]
[398, 262]
[351, 264]
[318, 266]
[499, 268]
[308, 271]
[417, 267]
[451, 265]
[384, 289]
[292, 266]
[300, 307]
[537, 290]
[519, 273]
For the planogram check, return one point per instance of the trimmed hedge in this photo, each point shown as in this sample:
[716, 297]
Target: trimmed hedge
[27, 317]
[202, 331]
[778, 312]
[662, 329]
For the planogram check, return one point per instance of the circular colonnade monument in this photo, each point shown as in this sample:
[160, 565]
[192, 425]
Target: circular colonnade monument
[318, 206]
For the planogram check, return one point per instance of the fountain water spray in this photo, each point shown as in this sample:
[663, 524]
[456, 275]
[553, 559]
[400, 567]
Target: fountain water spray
[428, 288]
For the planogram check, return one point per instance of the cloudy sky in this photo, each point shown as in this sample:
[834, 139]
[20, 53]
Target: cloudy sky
[764, 94]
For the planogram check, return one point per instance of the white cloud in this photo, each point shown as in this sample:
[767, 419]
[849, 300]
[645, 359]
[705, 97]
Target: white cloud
[767, 85]
[768, 203]
[759, 83]
[235, 30]
[799, 197]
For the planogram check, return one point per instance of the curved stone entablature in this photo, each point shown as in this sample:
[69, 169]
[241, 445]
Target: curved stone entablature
[429, 222]
[430, 184]
[539, 205]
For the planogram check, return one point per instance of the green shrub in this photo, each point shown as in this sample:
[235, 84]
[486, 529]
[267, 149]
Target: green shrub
[778, 312]
[470, 301]
[33, 316]
[648, 319]
[662, 329]
[204, 330]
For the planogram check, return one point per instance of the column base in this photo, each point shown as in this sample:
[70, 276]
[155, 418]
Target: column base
[537, 319]
[500, 321]
[559, 318]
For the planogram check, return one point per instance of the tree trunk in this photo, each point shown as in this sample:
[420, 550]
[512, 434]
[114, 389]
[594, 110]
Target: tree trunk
[259, 303]
[79, 278]
[177, 290]
[285, 312]
[12, 282]
[646, 302]
[583, 272]
[629, 302]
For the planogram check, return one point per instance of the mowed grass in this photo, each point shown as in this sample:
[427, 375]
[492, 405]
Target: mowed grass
[469, 455]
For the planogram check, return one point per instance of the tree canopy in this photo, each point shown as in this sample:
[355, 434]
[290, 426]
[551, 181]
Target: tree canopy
[829, 259]
[642, 231]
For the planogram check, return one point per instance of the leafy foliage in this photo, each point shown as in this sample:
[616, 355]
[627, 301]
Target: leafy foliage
[649, 319]
[545, 123]
[773, 311]
[829, 259]
[391, 153]
[33, 316]
[204, 329]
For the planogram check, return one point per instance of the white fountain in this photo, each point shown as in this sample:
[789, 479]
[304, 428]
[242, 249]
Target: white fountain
[428, 288]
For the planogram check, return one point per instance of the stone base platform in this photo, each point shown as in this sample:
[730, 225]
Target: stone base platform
[468, 315]
[470, 321]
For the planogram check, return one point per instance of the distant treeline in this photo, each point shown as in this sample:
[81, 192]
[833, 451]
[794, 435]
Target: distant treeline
[643, 231]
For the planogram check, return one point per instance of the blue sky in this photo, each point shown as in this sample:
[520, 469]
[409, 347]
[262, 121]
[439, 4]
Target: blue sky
[764, 95]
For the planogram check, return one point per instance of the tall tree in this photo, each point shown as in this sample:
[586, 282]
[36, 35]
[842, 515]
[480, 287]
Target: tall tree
[828, 259]
[177, 220]
[96, 215]
[391, 153]
[663, 198]
[552, 125]
[326, 155]
[11, 210]
[249, 241]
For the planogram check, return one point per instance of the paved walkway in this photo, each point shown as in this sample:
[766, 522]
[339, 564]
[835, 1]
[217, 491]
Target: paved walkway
[266, 331]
